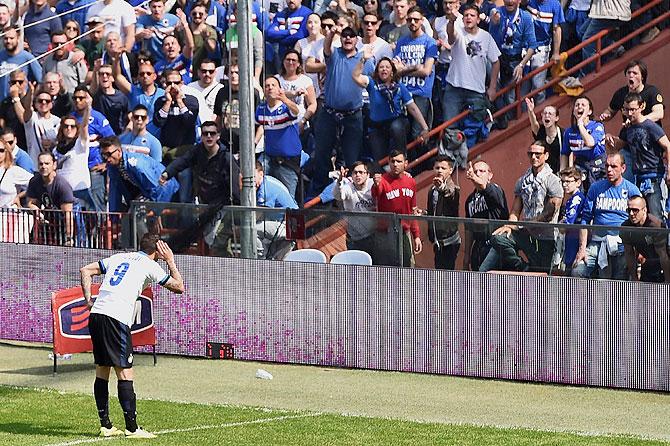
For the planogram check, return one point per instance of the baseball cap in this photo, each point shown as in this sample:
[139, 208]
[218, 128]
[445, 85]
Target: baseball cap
[94, 20]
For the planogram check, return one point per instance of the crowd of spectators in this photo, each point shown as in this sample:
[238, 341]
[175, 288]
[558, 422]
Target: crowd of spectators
[139, 101]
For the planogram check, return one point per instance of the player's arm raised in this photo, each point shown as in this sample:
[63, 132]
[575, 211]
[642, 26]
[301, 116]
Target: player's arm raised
[175, 283]
[87, 273]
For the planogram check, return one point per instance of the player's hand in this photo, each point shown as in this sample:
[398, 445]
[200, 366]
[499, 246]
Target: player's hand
[377, 179]
[580, 257]
[343, 174]
[164, 251]
[605, 116]
[163, 178]
[89, 304]
[438, 181]
[503, 230]
[530, 105]
[418, 246]
[517, 73]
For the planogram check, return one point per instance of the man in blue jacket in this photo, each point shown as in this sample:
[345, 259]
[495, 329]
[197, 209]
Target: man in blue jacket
[133, 176]
[288, 26]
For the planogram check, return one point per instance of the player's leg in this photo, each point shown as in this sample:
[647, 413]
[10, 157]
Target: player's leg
[99, 329]
[128, 402]
[101, 393]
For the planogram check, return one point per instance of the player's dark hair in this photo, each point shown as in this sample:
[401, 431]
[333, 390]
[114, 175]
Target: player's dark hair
[361, 163]
[540, 143]
[571, 172]
[209, 124]
[109, 142]
[415, 9]
[444, 158]
[643, 68]
[329, 15]
[140, 107]
[148, 243]
[633, 97]
[472, 6]
[395, 152]
[7, 131]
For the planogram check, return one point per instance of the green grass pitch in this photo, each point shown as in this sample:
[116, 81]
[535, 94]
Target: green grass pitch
[47, 417]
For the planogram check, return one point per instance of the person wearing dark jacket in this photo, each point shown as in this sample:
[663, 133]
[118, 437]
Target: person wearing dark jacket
[176, 113]
[443, 202]
[213, 168]
[211, 164]
[488, 202]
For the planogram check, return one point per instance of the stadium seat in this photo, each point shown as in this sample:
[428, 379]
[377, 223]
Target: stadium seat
[306, 255]
[352, 257]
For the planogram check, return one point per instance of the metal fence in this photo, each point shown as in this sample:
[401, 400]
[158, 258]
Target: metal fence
[81, 229]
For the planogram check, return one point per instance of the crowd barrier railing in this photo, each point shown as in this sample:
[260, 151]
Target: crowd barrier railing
[202, 230]
[82, 229]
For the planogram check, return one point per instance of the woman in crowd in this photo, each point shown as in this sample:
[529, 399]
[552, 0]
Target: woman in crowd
[372, 7]
[12, 178]
[583, 144]
[72, 31]
[308, 45]
[547, 130]
[388, 101]
[71, 153]
[298, 87]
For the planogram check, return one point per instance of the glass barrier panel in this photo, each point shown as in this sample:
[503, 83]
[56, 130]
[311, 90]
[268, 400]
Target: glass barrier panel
[411, 241]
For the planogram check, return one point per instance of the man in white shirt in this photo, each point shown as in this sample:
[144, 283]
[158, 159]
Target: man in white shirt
[119, 17]
[125, 276]
[380, 47]
[471, 49]
[206, 84]
[41, 126]
[355, 193]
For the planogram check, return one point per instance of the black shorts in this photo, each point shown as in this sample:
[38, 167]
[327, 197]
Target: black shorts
[112, 343]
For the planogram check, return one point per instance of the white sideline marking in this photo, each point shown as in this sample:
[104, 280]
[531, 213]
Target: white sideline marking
[191, 429]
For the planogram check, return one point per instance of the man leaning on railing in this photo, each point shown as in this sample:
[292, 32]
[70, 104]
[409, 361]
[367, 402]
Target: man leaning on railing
[47, 194]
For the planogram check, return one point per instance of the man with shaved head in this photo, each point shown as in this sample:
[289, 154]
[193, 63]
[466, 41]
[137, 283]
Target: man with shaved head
[651, 246]
[486, 201]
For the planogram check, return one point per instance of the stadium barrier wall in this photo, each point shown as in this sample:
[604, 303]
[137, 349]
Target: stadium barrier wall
[533, 328]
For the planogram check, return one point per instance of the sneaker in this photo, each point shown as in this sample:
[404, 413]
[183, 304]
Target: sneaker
[139, 433]
[110, 432]
[650, 35]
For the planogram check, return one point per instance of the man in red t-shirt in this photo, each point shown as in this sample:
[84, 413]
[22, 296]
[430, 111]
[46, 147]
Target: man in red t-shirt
[395, 191]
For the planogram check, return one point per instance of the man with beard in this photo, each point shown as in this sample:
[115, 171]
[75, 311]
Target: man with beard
[395, 192]
[14, 56]
[213, 168]
[53, 84]
[415, 56]
[11, 107]
[146, 92]
[174, 56]
[98, 127]
[288, 26]
[227, 108]
[342, 111]
[47, 190]
[355, 193]
[69, 65]
[487, 202]
[108, 100]
[537, 197]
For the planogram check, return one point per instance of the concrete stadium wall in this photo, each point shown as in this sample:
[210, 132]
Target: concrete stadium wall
[547, 329]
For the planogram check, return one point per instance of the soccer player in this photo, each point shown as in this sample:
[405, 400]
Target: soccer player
[126, 275]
